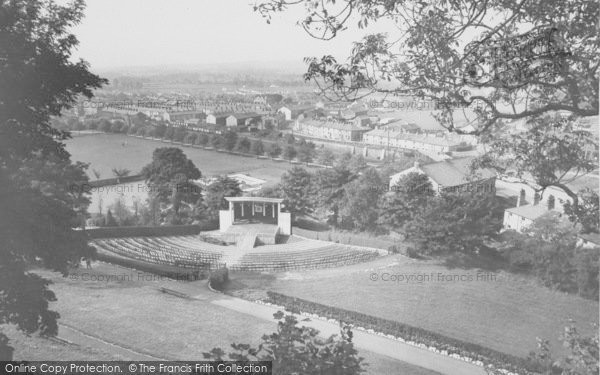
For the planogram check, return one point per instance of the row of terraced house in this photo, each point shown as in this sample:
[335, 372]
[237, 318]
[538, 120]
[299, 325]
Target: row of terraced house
[402, 136]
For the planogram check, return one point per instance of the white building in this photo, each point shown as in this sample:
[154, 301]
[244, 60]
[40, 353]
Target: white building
[292, 112]
[333, 130]
[419, 142]
[452, 176]
[520, 218]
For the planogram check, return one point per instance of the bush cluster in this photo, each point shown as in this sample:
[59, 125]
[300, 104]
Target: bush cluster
[407, 332]
[219, 278]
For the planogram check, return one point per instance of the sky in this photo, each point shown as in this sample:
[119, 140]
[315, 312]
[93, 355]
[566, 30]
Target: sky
[129, 33]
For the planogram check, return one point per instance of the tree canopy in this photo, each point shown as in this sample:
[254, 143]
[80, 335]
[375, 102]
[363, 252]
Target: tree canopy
[216, 192]
[517, 58]
[41, 199]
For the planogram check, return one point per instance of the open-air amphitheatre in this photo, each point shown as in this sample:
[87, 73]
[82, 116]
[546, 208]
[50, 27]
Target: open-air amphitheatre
[254, 235]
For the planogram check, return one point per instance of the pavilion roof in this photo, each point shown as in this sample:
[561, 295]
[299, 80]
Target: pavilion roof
[254, 199]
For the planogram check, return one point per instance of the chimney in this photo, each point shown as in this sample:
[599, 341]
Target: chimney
[417, 164]
[521, 198]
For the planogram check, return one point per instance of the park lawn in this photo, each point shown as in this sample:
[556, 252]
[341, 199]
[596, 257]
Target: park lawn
[133, 314]
[506, 314]
[36, 348]
[107, 151]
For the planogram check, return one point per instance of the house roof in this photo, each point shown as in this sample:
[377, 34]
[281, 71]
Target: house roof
[531, 212]
[591, 237]
[298, 107]
[220, 115]
[242, 116]
[454, 172]
[333, 125]
[254, 199]
[420, 138]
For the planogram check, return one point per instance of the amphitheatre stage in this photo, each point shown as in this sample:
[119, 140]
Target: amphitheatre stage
[260, 217]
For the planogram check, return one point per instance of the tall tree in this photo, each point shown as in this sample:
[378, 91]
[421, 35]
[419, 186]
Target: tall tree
[170, 178]
[359, 207]
[243, 145]
[274, 150]
[230, 140]
[216, 192]
[289, 152]
[296, 185]
[453, 223]
[329, 190]
[587, 212]
[38, 213]
[550, 150]
[306, 153]
[257, 148]
[326, 157]
[405, 200]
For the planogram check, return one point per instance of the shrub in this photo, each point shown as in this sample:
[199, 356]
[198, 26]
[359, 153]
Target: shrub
[411, 252]
[202, 139]
[219, 278]
[586, 263]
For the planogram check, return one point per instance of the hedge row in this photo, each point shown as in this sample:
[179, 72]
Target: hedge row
[406, 332]
[116, 180]
[150, 231]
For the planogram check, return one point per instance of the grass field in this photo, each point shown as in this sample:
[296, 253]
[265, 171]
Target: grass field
[506, 313]
[107, 151]
[36, 348]
[134, 314]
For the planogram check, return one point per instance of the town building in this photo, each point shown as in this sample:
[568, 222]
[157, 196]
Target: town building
[242, 119]
[292, 112]
[453, 175]
[332, 130]
[217, 119]
[176, 116]
[401, 138]
[521, 217]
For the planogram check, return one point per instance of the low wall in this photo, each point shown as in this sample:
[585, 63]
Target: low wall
[176, 273]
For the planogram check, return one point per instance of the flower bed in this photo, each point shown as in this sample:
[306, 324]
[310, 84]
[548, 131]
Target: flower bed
[411, 335]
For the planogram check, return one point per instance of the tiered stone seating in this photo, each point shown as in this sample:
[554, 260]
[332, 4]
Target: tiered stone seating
[323, 257]
[151, 250]
[192, 252]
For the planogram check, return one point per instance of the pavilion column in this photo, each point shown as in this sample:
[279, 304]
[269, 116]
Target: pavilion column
[264, 212]
[252, 208]
[273, 210]
[242, 209]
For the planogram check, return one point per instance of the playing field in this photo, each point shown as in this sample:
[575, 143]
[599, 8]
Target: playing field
[500, 311]
[130, 313]
[107, 151]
